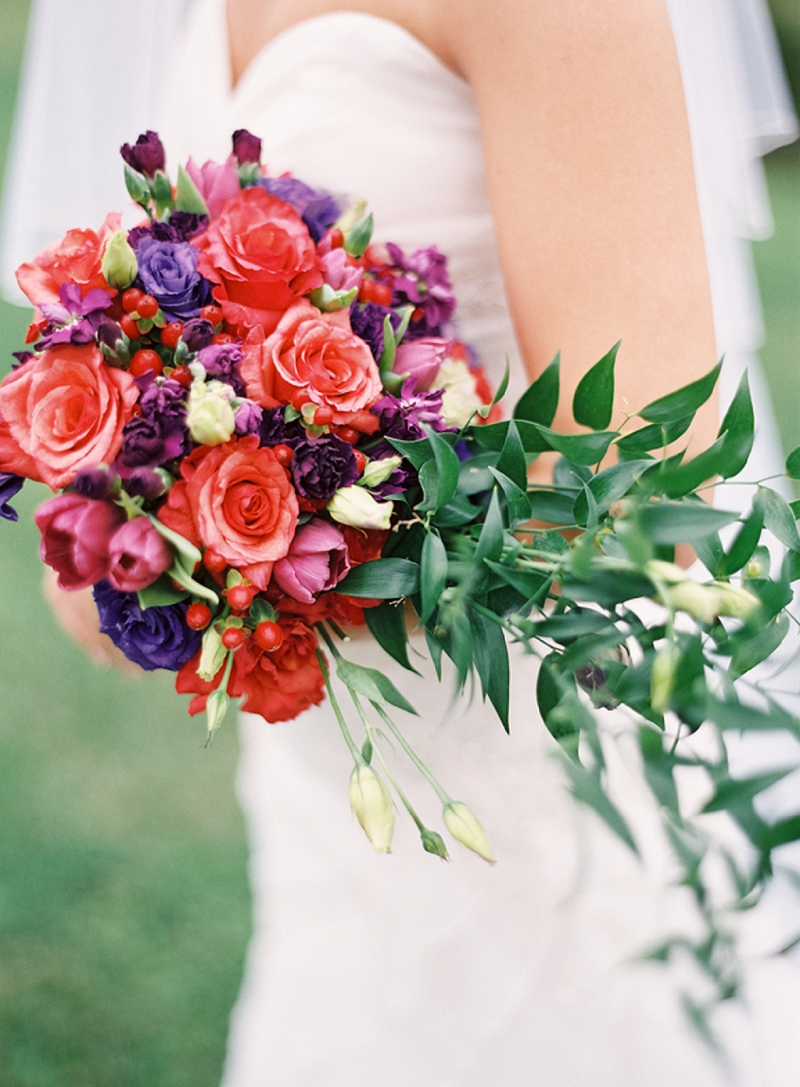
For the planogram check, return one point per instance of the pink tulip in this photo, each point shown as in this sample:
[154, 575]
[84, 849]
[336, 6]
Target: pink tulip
[317, 560]
[138, 555]
[76, 532]
[216, 182]
[339, 272]
[421, 359]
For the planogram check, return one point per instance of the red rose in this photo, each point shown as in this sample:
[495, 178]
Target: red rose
[236, 499]
[262, 257]
[277, 685]
[74, 259]
[347, 611]
[314, 358]
[65, 409]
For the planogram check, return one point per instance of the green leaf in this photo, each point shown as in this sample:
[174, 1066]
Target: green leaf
[372, 684]
[432, 574]
[679, 522]
[654, 436]
[539, 402]
[511, 461]
[563, 628]
[587, 787]
[579, 448]
[460, 511]
[517, 501]
[387, 624]
[475, 475]
[493, 435]
[738, 427]
[593, 402]
[681, 479]
[137, 185]
[435, 650]
[416, 453]
[667, 409]
[382, 579]
[490, 541]
[710, 551]
[751, 648]
[528, 583]
[439, 477]
[783, 832]
[359, 237]
[549, 687]
[732, 791]
[553, 507]
[160, 594]
[793, 464]
[498, 396]
[742, 548]
[778, 517]
[187, 195]
[732, 714]
[386, 361]
[608, 487]
[490, 654]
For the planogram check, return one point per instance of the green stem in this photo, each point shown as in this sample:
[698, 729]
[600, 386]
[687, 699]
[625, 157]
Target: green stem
[348, 739]
[443, 796]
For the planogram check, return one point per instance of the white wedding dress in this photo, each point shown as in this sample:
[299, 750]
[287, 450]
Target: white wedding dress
[402, 970]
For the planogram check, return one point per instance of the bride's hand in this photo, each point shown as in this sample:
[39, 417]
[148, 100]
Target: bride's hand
[76, 613]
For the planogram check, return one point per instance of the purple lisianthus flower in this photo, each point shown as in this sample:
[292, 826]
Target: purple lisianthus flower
[402, 416]
[423, 284]
[367, 322]
[221, 361]
[275, 430]
[9, 486]
[146, 155]
[246, 146]
[74, 318]
[319, 211]
[197, 334]
[321, 466]
[168, 271]
[156, 637]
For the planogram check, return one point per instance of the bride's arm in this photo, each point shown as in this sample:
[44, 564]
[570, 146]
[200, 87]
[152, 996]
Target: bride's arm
[590, 177]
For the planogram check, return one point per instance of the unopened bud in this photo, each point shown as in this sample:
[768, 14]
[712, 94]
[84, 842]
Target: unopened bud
[702, 602]
[662, 678]
[466, 829]
[434, 843]
[372, 804]
[119, 261]
[735, 602]
[212, 655]
[356, 507]
[378, 471]
[209, 415]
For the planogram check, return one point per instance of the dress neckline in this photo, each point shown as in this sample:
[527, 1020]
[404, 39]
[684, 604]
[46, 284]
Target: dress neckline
[386, 27]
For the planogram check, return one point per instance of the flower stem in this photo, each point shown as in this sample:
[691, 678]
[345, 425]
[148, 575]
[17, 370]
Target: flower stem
[443, 796]
[348, 739]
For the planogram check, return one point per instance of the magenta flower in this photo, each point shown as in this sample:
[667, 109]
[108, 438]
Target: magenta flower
[146, 155]
[338, 271]
[421, 359]
[246, 146]
[76, 532]
[216, 182]
[317, 560]
[138, 555]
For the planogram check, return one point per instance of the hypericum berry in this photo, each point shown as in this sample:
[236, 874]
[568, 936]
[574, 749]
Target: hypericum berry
[366, 292]
[361, 461]
[213, 561]
[417, 315]
[268, 636]
[382, 294]
[148, 307]
[198, 616]
[283, 454]
[223, 337]
[323, 415]
[240, 597]
[131, 299]
[129, 327]
[336, 238]
[348, 434]
[233, 637]
[171, 333]
[144, 361]
[183, 375]
[212, 314]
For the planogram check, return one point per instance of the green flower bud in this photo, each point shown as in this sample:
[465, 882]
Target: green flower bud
[702, 602]
[378, 471]
[665, 571]
[735, 602]
[216, 708]
[372, 804]
[212, 654]
[434, 843]
[356, 507]
[210, 416]
[662, 678]
[466, 829]
[119, 261]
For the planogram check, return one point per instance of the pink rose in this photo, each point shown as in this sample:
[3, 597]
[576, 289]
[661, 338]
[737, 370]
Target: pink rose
[421, 359]
[216, 182]
[138, 554]
[314, 358]
[75, 259]
[317, 560]
[75, 536]
[339, 271]
[262, 257]
[65, 409]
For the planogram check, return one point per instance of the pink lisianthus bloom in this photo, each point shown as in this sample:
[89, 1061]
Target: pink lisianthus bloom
[76, 532]
[317, 560]
[216, 182]
[421, 359]
[339, 272]
[138, 554]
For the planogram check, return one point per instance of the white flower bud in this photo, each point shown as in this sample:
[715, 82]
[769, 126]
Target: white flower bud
[460, 400]
[372, 804]
[702, 602]
[735, 602]
[665, 571]
[466, 829]
[662, 678]
[355, 506]
[378, 471]
[212, 655]
[210, 416]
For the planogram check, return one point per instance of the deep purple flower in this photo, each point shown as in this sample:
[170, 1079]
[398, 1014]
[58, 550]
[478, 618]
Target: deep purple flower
[95, 482]
[187, 223]
[157, 637]
[402, 416]
[197, 334]
[150, 442]
[400, 481]
[145, 482]
[165, 400]
[146, 155]
[246, 146]
[319, 211]
[9, 486]
[221, 361]
[182, 226]
[22, 357]
[323, 465]
[168, 271]
[424, 285]
[275, 430]
[367, 322]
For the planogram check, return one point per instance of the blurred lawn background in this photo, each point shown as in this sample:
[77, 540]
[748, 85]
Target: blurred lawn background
[124, 911]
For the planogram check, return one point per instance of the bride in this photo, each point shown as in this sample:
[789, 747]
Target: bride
[545, 148]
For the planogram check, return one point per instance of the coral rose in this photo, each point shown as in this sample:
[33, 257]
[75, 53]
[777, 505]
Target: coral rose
[66, 410]
[261, 255]
[278, 685]
[314, 358]
[77, 258]
[236, 499]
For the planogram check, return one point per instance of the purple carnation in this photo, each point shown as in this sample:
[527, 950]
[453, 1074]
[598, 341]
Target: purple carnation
[246, 146]
[319, 211]
[367, 322]
[95, 482]
[150, 442]
[402, 416]
[9, 486]
[182, 225]
[275, 430]
[323, 465]
[155, 637]
[168, 271]
[187, 223]
[221, 361]
[424, 285]
[197, 334]
[164, 399]
[146, 155]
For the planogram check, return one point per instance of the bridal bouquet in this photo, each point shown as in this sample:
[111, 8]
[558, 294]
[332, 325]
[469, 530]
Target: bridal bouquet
[261, 427]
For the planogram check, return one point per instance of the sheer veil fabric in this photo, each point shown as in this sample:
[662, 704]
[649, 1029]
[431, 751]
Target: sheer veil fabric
[401, 969]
